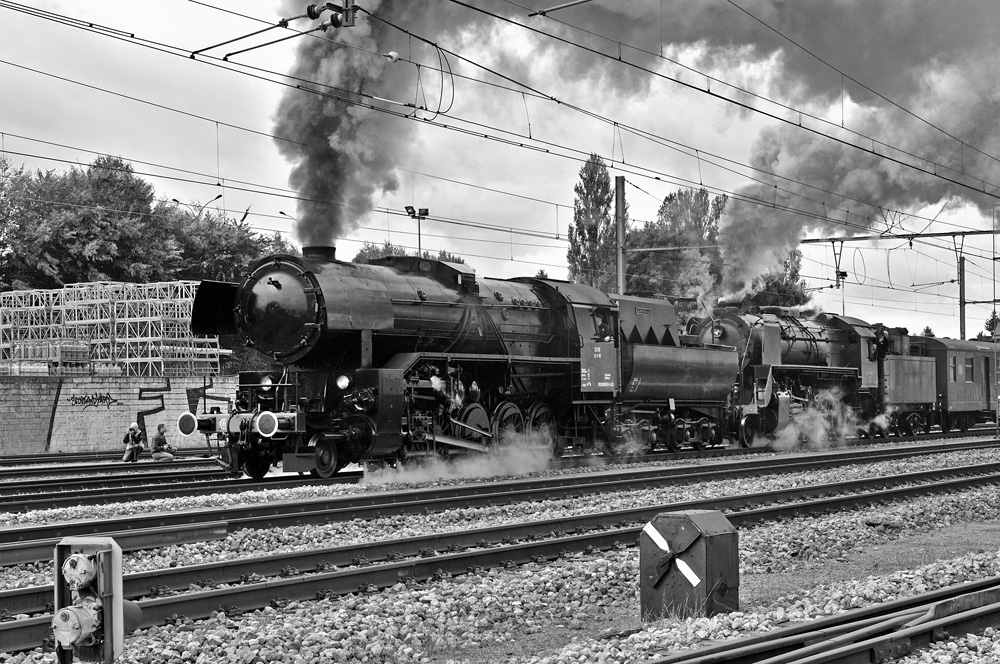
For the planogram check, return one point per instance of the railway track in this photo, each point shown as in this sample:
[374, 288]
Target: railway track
[80, 458]
[24, 497]
[98, 460]
[861, 636]
[54, 474]
[375, 565]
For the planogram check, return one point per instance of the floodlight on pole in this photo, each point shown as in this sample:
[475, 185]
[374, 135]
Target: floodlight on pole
[419, 215]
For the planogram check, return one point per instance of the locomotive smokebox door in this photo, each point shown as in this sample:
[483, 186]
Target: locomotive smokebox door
[688, 565]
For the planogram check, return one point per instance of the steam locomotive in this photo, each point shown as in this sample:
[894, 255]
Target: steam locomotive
[408, 357]
[884, 379]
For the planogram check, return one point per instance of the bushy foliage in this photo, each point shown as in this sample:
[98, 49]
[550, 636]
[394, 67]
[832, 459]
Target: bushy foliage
[678, 253]
[370, 251]
[104, 223]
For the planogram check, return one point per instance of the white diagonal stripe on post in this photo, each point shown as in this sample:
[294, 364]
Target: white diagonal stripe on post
[657, 538]
[687, 572]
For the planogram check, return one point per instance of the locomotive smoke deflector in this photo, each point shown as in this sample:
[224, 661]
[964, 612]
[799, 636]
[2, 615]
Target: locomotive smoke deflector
[212, 311]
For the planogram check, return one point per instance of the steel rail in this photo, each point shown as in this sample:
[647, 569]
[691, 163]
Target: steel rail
[232, 570]
[98, 459]
[31, 544]
[17, 492]
[27, 496]
[111, 468]
[871, 634]
[28, 633]
[715, 470]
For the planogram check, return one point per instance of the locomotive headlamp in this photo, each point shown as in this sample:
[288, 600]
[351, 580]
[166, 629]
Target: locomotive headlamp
[343, 382]
[265, 383]
[718, 331]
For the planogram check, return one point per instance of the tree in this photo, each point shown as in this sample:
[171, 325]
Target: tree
[592, 235]
[370, 251]
[88, 224]
[216, 247]
[15, 184]
[928, 332]
[685, 232]
[781, 288]
[991, 323]
[103, 223]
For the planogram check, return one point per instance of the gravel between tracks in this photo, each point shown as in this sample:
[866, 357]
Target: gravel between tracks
[249, 543]
[502, 611]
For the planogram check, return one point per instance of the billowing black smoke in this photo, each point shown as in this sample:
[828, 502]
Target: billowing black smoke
[343, 153]
[937, 59]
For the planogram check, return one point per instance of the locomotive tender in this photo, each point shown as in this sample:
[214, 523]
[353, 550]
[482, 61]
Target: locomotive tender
[409, 357]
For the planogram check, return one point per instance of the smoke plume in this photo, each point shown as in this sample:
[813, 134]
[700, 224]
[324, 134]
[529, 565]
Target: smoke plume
[343, 152]
[936, 59]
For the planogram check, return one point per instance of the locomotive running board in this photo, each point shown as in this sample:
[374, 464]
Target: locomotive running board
[458, 442]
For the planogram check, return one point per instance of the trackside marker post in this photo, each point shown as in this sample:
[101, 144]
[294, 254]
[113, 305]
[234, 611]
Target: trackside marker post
[688, 565]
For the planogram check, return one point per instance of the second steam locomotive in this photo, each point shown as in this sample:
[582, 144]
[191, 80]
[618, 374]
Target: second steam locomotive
[408, 357]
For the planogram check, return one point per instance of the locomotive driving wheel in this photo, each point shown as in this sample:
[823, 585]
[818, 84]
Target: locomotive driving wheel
[507, 420]
[474, 415]
[747, 426]
[257, 465]
[327, 464]
[542, 424]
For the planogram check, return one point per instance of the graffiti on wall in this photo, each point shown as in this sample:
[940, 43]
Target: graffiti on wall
[200, 394]
[155, 395]
[93, 400]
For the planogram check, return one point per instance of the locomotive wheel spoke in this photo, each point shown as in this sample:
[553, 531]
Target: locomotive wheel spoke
[542, 423]
[507, 420]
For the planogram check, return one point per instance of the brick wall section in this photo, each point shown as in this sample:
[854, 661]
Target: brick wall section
[50, 414]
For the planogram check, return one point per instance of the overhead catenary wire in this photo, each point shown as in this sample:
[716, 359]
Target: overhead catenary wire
[373, 107]
[750, 107]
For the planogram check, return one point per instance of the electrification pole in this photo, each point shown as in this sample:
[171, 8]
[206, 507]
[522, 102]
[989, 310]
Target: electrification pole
[620, 229]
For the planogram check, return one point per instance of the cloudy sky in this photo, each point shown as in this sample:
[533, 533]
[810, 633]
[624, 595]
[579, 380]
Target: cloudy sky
[820, 119]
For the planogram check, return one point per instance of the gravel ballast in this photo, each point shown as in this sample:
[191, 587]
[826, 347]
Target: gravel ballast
[500, 610]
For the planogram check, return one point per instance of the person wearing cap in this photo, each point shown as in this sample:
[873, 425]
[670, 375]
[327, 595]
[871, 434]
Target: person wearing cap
[134, 443]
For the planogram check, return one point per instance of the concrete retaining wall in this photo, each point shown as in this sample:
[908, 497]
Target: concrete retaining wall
[90, 414]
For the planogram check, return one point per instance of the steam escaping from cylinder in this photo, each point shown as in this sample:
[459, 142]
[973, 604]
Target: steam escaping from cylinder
[824, 423]
[520, 454]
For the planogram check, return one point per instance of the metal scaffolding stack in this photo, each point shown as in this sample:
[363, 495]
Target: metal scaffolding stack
[104, 328]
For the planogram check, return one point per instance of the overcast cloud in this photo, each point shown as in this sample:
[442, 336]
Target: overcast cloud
[196, 127]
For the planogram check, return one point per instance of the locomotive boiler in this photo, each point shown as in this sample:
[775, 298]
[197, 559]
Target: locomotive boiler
[408, 357]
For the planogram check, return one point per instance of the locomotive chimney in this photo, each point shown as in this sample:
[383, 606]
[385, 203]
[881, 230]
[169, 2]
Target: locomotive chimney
[321, 252]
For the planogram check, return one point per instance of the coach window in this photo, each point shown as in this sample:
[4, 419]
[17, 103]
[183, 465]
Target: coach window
[954, 369]
[970, 370]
